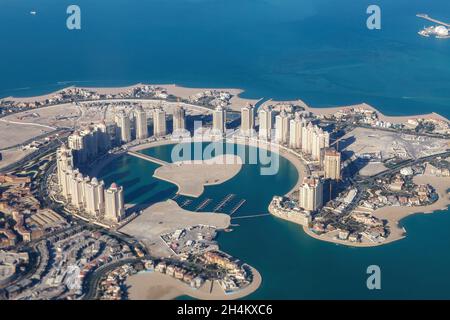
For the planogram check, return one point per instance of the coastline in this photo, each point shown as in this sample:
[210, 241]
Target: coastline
[158, 286]
[394, 215]
[159, 219]
[236, 102]
[362, 105]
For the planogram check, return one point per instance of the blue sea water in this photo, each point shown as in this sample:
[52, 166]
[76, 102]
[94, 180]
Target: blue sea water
[292, 264]
[319, 51]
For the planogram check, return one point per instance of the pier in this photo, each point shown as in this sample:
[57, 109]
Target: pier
[252, 216]
[185, 203]
[147, 158]
[175, 197]
[224, 202]
[237, 207]
[427, 17]
[203, 204]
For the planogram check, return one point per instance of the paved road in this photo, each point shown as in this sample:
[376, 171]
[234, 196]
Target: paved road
[90, 285]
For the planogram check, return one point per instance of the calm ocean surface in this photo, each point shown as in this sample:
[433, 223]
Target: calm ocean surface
[294, 265]
[320, 51]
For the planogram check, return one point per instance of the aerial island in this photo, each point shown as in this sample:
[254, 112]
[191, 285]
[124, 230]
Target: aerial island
[65, 234]
[440, 30]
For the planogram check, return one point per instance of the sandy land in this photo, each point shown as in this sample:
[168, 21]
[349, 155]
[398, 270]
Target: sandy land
[364, 140]
[61, 115]
[381, 116]
[186, 92]
[12, 134]
[272, 103]
[157, 286]
[236, 102]
[11, 156]
[191, 177]
[36, 98]
[392, 119]
[23, 126]
[111, 90]
[167, 216]
[372, 169]
[394, 215]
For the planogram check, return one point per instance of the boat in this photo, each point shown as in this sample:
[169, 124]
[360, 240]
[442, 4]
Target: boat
[33, 13]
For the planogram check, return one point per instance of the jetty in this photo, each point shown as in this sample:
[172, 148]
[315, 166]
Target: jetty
[147, 158]
[222, 203]
[252, 216]
[203, 204]
[237, 207]
[185, 203]
[427, 17]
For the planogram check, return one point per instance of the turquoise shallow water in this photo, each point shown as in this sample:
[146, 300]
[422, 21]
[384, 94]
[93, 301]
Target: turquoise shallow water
[320, 51]
[293, 265]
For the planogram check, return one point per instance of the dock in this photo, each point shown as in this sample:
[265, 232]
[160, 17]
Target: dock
[252, 216]
[185, 203]
[222, 203]
[175, 197]
[237, 207]
[428, 18]
[203, 204]
[147, 158]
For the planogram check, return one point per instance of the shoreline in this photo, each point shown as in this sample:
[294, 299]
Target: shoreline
[235, 103]
[157, 286]
[298, 163]
[191, 177]
[395, 215]
[159, 219]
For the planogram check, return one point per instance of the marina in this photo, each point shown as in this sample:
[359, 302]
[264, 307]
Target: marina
[186, 203]
[222, 203]
[237, 207]
[203, 204]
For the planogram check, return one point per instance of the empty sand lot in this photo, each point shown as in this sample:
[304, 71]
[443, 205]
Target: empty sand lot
[167, 216]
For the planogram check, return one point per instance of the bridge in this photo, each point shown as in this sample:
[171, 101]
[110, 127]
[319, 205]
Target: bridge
[147, 158]
[427, 17]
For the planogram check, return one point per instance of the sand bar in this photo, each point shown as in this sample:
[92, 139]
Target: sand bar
[191, 177]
